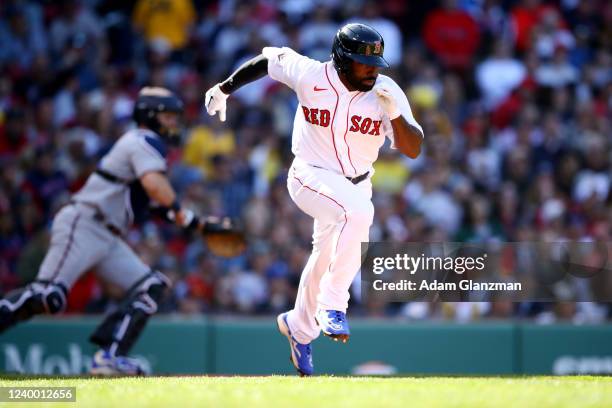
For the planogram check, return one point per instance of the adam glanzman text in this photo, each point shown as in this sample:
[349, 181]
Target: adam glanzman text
[458, 265]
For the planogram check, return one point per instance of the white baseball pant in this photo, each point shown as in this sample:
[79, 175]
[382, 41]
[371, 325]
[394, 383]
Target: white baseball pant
[343, 213]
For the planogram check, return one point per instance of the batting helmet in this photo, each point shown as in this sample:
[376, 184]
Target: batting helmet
[358, 42]
[150, 102]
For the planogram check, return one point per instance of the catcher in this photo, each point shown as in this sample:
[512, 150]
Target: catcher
[87, 233]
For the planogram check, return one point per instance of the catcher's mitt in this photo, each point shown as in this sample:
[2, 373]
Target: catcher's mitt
[224, 236]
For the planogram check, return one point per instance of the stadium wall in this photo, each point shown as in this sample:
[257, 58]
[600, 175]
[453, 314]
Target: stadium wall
[252, 346]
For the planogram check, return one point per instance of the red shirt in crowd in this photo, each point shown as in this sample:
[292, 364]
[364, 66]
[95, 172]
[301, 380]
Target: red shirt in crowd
[524, 19]
[453, 35]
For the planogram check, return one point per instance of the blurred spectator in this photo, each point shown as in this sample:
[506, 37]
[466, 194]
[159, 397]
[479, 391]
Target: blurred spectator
[13, 138]
[317, 34]
[167, 20]
[499, 74]
[524, 18]
[45, 182]
[22, 35]
[234, 34]
[75, 19]
[557, 73]
[204, 143]
[551, 33]
[371, 15]
[479, 226]
[452, 35]
[429, 198]
[391, 174]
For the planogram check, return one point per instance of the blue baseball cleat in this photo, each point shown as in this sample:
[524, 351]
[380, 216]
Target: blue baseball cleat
[104, 363]
[333, 324]
[301, 354]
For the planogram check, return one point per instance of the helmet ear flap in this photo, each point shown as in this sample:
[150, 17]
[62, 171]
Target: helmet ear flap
[341, 61]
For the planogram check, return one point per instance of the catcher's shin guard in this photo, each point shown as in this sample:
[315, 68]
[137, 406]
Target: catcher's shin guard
[36, 298]
[120, 330]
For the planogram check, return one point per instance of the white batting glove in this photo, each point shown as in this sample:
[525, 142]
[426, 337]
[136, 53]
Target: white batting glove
[387, 102]
[216, 101]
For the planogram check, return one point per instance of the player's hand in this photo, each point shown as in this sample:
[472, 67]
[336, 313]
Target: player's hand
[387, 102]
[184, 218]
[216, 101]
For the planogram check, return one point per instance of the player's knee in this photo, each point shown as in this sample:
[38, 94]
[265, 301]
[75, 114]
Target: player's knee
[148, 293]
[362, 213]
[337, 214]
[53, 296]
[36, 298]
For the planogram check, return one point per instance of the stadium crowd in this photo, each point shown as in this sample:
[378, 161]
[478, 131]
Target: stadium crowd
[515, 98]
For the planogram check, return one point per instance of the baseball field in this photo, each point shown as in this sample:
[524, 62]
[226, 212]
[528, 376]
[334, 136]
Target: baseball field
[325, 391]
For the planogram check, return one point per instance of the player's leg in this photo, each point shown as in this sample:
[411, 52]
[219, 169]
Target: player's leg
[346, 257]
[121, 329]
[76, 245]
[332, 199]
[35, 298]
[298, 325]
[301, 318]
[345, 261]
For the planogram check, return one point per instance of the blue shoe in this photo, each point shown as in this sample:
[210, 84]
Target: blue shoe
[104, 363]
[333, 324]
[301, 354]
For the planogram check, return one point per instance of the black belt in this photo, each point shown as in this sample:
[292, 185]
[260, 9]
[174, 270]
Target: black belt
[354, 180]
[110, 177]
[99, 216]
[358, 179]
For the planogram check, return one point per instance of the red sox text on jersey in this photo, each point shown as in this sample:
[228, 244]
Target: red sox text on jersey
[322, 117]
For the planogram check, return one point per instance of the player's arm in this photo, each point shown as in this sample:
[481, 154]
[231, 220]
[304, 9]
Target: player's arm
[281, 64]
[407, 134]
[408, 138]
[223, 235]
[252, 70]
[158, 188]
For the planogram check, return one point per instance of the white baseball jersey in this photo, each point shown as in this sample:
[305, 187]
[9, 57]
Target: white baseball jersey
[334, 128]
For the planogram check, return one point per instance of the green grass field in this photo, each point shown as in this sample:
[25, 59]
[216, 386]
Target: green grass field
[281, 391]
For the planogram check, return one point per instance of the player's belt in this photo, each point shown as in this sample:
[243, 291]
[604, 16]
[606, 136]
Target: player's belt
[354, 180]
[358, 179]
[99, 216]
[109, 177]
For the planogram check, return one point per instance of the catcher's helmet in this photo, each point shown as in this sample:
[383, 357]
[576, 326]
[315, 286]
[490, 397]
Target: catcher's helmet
[358, 42]
[151, 101]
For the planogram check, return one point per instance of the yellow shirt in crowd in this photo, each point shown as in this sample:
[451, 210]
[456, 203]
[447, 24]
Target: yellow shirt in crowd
[203, 145]
[168, 19]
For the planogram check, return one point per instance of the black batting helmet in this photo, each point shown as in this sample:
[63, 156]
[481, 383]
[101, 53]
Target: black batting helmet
[150, 102]
[358, 42]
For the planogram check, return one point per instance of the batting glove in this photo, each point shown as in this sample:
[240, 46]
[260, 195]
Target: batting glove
[387, 102]
[215, 101]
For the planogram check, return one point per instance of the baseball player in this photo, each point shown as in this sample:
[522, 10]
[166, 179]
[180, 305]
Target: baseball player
[87, 233]
[346, 109]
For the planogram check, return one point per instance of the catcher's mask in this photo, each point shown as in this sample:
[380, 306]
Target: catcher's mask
[358, 42]
[150, 102]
